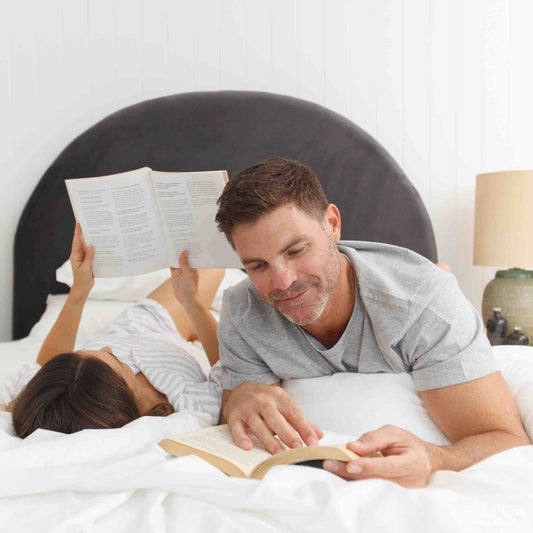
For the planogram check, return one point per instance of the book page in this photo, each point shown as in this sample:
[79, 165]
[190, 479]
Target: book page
[217, 440]
[119, 217]
[188, 205]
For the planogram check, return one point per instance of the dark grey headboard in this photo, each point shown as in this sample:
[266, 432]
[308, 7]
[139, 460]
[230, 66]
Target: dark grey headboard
[217, 130]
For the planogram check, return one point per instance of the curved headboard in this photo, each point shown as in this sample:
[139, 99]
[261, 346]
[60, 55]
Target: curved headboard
[217, 130]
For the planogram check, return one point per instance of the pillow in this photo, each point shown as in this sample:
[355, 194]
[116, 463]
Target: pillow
[96, 315]
[125, 289]
[353, 403]
[135, 288]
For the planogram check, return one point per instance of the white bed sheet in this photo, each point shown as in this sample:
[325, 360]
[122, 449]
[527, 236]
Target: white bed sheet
[120, 480]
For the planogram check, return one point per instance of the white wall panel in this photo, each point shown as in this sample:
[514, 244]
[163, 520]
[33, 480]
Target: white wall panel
[154, 48]
[258, 46]
[361, 77]
[232, 42]
[470, 17]
[445, 85]
[415, 92]
[520, 83]
[310, 39]
[101, 57]
[388, 55]
[495, 131]
[181, 46]
[75, 88]
[202, 16]
[128, 71]
[8, 196]
[284, 47]
[442, 204]
[336, 56]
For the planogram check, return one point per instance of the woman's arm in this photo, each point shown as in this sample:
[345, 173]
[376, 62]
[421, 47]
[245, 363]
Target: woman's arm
[62, 336]
[185, 286]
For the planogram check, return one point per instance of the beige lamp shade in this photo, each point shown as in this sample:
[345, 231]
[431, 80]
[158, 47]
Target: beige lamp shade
[503, 228]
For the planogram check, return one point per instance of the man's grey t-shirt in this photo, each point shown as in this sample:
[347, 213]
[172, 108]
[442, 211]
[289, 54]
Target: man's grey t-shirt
[409, 316]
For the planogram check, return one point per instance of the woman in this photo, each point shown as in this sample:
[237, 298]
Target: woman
[141, 364]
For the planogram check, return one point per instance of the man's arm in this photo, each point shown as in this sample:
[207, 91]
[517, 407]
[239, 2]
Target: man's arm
[479, 417]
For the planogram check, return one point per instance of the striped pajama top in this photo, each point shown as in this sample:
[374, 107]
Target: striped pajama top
[145, 338]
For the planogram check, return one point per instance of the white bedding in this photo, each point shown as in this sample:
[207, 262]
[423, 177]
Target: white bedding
[120, 480]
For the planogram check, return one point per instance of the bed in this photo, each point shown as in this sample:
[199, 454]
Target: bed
[120, 480]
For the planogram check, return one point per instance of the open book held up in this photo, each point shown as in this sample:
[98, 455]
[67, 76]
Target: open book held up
[215, 445]
[140, 221]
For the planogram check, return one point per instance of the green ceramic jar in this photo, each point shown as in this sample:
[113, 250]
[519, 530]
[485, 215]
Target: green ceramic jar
[512, 291]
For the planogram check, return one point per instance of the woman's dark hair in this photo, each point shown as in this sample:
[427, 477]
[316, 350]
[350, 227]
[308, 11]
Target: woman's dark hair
[73, 392]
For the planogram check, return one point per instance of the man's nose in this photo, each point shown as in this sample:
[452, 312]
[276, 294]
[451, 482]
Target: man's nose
[283, 278]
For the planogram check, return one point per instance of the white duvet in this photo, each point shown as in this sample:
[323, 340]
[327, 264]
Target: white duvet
[120, 480]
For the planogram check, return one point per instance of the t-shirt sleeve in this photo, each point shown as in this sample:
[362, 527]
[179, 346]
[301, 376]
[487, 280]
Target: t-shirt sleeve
[446, 344]
[240, 363]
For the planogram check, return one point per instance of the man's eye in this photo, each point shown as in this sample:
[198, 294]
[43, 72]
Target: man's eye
[256, 267]
[298, 251]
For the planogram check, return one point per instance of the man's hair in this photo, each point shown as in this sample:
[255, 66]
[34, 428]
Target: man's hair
[71, 393]
[265, 186]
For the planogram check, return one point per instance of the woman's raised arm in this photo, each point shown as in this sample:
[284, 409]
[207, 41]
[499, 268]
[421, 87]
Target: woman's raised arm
[62, 336]
[185, 282]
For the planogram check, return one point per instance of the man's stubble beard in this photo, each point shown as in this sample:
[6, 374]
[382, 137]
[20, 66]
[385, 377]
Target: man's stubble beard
[332, 270]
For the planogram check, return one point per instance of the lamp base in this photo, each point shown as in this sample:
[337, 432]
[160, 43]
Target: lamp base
[512, 291]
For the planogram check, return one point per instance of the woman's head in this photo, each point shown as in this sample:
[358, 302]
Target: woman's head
[74, 391]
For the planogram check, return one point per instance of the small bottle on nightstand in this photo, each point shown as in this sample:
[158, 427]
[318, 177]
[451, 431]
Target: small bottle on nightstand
[496, 327]
[517, 337]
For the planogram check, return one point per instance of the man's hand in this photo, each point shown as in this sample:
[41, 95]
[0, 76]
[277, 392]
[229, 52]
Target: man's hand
[81, 261]
[405, 460]
[267, 412]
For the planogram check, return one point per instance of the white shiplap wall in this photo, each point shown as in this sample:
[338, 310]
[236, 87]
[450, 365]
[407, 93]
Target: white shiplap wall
[444, 85]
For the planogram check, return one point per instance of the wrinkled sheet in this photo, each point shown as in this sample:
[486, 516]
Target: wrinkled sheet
[120, 480]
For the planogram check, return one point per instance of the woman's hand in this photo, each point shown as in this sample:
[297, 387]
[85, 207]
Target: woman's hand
[81, 261]
[185, 282]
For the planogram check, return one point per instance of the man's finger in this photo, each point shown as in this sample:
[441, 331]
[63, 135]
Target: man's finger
[319, 433]
[301, 424]
[390, 467]
[264, 434]
[240, 437]
[376, 440]
[279, 426]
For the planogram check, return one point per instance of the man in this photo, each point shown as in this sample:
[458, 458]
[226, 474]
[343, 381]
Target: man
[313, 306]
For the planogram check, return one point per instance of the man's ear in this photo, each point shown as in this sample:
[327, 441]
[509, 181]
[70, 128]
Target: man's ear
[332, 219]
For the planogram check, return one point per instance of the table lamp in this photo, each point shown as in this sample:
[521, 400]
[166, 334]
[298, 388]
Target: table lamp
[503, 236]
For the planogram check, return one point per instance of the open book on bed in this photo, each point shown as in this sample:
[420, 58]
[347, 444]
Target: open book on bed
[140, 221]
[215, 445]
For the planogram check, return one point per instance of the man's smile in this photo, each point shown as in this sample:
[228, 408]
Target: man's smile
[294, 297]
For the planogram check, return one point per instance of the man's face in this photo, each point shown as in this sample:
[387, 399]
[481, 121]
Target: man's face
[292, 260]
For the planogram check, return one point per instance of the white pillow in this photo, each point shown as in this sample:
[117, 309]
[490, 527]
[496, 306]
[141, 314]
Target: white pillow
[353, 404]
[96, 315]
[134, 288]
[356, 403]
